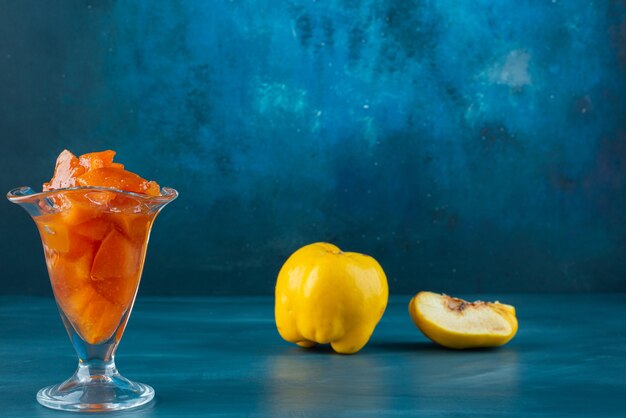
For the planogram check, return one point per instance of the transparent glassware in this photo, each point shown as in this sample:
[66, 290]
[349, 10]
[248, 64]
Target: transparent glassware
[95, 242]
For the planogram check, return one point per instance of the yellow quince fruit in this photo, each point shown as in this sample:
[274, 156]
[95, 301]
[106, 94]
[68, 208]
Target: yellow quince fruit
[456, 323]
[324, 295]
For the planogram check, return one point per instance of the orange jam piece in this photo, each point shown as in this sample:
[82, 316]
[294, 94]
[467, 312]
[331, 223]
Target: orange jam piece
[116, 258]
[133, 226]
[99, 320]
[78, 211]
[94, 229]
[115, 178]
[97, 169]
[67, 168]
[95, 160]
[95, 254]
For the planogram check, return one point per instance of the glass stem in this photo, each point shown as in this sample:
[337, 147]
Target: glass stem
[96, 370]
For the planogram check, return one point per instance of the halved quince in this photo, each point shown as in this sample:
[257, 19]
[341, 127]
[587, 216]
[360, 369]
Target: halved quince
[456, 323]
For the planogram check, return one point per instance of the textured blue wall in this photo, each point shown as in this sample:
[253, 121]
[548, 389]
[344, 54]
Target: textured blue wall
[467, 145]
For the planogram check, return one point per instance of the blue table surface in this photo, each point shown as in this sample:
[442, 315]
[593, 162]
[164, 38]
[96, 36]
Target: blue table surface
[223, 356]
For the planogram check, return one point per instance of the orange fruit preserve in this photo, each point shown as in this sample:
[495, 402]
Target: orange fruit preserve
[95, 242]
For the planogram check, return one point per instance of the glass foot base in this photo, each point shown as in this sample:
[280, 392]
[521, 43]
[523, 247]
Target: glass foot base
[87, 391]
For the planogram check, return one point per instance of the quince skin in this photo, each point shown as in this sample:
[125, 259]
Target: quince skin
[324, 295]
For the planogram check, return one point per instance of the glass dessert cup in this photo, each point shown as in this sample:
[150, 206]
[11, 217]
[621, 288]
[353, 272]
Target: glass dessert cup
[94, 242]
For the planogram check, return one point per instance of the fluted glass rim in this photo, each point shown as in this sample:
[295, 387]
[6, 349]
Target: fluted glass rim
[25, 193]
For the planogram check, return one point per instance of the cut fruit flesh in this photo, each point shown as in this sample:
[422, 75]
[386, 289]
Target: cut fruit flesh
[456, 323]
[464, 317]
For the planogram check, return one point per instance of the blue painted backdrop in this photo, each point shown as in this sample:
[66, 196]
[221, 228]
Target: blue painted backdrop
[467, 145]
